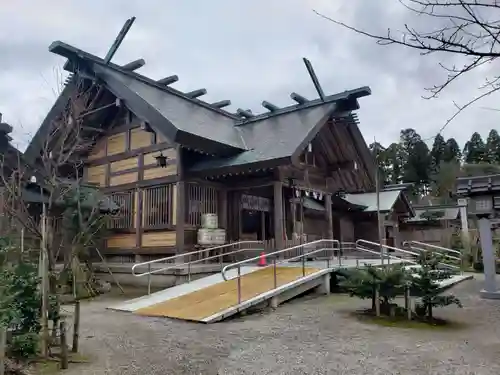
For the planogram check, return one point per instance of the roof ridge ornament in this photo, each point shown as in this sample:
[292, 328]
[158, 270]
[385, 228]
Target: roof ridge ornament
[118, 40]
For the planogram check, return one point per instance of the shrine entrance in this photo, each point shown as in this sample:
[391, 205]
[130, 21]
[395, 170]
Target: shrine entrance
[255, 218]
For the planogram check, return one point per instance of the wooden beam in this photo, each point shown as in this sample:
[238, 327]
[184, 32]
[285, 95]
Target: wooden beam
[244, 113]
[134, 65]
[278, 215]
[180, 221]
[314, 78]
[269, 106]
[298, 98]
[167, 80]
[329, 215]
[119, 39]
[92, 129]
[221, 104]
[196, 93]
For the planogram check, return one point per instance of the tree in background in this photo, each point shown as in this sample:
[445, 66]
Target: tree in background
[417, 160]
[475, 150]
[452, 152]
[493, 147]
[437, 153]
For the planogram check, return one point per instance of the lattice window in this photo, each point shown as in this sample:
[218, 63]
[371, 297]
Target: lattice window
[158, 206]
[201, 200]
[124, 218]
[483, 204]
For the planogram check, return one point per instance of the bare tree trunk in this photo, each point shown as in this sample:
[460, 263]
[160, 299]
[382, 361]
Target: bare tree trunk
[3, 349]
[64, 346]
[76, 327]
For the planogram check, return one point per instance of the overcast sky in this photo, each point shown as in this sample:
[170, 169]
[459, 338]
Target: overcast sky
[245, 51]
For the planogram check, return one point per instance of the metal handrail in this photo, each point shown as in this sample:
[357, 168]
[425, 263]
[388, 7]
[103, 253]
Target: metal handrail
[432, 246]
[353, 246]
[189, 263]
[442, 252]
[274, 254]
[382, 246]
[257, 258]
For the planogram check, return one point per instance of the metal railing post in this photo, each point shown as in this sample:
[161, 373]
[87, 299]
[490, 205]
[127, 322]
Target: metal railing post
[275, 274]
[149, 279]
[189, 268]
[239, 284]
[303, 262]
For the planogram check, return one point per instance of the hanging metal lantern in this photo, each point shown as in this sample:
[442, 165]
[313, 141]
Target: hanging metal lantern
[161, 160]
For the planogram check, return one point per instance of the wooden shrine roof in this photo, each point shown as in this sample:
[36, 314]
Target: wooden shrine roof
[241, 140]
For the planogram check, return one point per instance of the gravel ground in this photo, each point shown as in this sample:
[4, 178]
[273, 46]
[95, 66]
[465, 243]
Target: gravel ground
[310, 335]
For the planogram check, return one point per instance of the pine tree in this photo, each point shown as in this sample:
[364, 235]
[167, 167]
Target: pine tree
[452, 151]
[493, 147]
[437, 153]
[475, 150]
[394, 160]
[416, 160]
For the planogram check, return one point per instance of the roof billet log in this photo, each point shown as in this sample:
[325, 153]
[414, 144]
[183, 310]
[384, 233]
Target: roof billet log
[221, 104]
[119, 39]
[298, 98]
[134, 65]
[343, 96]
[168, 80]
[269, 106]
[244, 113]
[314, 78]
[196, 93]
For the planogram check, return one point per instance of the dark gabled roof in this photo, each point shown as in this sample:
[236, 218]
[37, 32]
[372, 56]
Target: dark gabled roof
[387, 200]
[233, 141]
[273, 138]
[449, 212]
[479, 184]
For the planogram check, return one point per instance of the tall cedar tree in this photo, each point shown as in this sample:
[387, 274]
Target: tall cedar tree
[437, 153]
[493, 147]
[452, 152]
[417, 161]
[475, 150]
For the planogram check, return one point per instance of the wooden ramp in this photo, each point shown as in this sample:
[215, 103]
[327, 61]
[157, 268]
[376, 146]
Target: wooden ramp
[198, 305]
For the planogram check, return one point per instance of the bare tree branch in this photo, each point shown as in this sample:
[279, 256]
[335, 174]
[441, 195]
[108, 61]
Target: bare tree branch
[466, 28]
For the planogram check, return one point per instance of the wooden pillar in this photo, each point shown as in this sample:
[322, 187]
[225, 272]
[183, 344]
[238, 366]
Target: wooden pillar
[181, 206]
[223, 209]
[329, 215]
[278, 214]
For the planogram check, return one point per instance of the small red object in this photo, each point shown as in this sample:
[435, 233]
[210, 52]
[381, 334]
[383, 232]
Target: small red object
[262, 260]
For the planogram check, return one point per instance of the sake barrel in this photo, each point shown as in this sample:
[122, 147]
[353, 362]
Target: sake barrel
[205, 236]
[219, 236]
[209, 221]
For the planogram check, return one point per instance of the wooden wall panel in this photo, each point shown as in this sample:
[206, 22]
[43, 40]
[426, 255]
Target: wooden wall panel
[124, 241]
[96, 175]
[123, 165]
[116, 144]
[139, 138]
[126, 178]
[158, 239]
[170, 153]
[99, 150]
[160, 172]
